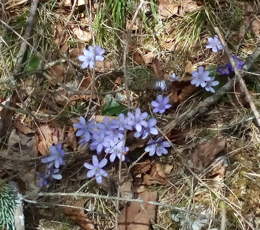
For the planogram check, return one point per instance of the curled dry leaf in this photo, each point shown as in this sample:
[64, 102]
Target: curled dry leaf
[22, 127]
[14, 3]
[157, 175]
[21, 152]
[168, 8]
[57, 74]
[60, 38]
[139, 215]
[78, 215]
[84, 36]
[47, 136]
[206, 152]
[181, 91]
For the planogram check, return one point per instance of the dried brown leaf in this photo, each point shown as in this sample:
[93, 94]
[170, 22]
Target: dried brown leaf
[84, 36]
[157, 67]
[78, 215]
[181, 91]
[168, 8]
[139, 216]
[22, 127]
[57, 74]
[206, 152]
[157, 175]
[47, 136]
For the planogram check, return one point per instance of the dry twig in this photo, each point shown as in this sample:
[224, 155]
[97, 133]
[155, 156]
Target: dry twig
[204, 105]
[239, 78]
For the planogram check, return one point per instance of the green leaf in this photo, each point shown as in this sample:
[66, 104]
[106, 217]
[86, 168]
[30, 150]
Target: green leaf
[33, 63]
[113, 108]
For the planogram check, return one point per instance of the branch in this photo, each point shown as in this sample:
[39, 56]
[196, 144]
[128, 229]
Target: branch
[27, 34]
[204, 105]
[240, 79]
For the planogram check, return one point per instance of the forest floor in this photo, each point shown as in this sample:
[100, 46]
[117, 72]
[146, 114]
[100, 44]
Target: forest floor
[210, 178]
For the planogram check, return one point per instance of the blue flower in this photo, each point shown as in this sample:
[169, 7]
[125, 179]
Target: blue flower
[84, 129]
[91, 56]
[173, 77]
[137, 119]
[214, 44]
[200, 77]
[157, 147]
[209, 86]
[228, 69]
[150, 129]
[99, 141]
[96, 169]
[160, 85]
[44, 178]
[121, 123]
[117, 150]
[55, 158]
[160, 105]
[225, 70]
[111, 130]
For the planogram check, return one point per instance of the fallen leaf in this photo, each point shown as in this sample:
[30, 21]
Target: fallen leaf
[167, 8]
[157, 175]
[19, 159]
[142, 167]
[78, 215]
[148, 58]
[157, 67]
[60, 37]
[138, 58]
[57, 73]
[255, 26]
[181, 91]
[206, 152]
[138, 216]
[48, 136]
[84, 36]
[22, 127]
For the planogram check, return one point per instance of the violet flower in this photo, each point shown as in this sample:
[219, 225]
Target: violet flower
[209, 86]
[173, 77]
[96, 169]
[200, 77]
[157, 147]
[55, 158]
[160, 105]
[214, 44]
[228, 69]
[91, 56]
[150, 129]
[117, 150]
[137, 119]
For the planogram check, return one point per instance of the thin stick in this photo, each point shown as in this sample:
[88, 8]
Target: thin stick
[209, 101]
[92, 195]
[240, 79]
[126, 81]
[27, 34]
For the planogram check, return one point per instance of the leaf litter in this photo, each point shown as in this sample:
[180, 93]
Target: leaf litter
[149, 180]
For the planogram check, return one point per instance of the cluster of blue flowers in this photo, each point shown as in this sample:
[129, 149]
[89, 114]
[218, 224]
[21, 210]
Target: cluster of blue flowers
[53, 162]
[91, 56]
[202, 78]
[110, 136]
